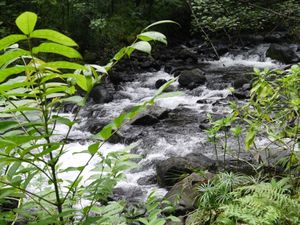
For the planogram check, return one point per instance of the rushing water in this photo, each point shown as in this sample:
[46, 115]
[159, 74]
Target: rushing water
[177, 135]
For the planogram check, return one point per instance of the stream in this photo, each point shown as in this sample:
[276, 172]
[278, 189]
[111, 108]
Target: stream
[176, 134]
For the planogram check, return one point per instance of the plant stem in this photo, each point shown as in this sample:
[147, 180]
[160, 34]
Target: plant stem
[225, 147]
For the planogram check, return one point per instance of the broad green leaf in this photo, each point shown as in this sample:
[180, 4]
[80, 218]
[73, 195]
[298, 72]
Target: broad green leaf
[26, 22]
[17, 140]
[13, 169]
[165, 86]
[153, 36]
[63, 65]
[100, 69]
[171, 94]
[119, 55]
[117, 122]
[63, 120]
[78, 100]
[93, 148]
[5, 73]
[11, 39]
[19, 81]
[105, 133]
[161, 22]
[57, 49]
[54, 36]
[80, 80]
[250, 138]
[12, 55]
[69, 169]
[6, 125]
[142, 46]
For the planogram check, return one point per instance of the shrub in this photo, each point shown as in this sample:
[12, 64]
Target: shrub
[33, 89]
[232, 16]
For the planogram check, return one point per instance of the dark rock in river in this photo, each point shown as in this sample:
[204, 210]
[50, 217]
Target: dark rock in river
[169, 171]
[160, 83]
[238, 83]
[183, 194]
[282, 53]
[187, 55]
[148, 180]
[192, 78]
[130, 193]
[102, 93]
[151, 116]
[145, 120]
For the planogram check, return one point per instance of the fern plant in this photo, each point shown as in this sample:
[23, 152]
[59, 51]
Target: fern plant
[265, 203]
[33, 88]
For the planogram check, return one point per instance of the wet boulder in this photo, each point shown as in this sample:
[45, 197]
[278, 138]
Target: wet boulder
[160, 83]
[147, 180]
[192, 78]
[239, 83]
[170, 171]
[102, 94]
[129, 192]
[184, 193]
[151, 116]
[187, 55]
[282, 53]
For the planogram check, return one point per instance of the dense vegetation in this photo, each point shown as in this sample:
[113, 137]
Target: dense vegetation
[101, 27]
[42, 69]
[32, 92]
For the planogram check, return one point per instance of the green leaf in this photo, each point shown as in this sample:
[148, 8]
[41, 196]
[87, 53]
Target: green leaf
[54, 36]
[80, 80]
[12, 55]
[93, 148]
[119, 120]
[250, 138]
[78, 100]
[142, 46]
[6, 125]
[63, 65]
[5, 73]
[165, 86]
[26, 22]
[72, 168]
[57, 49]
[11, 39]
[13, 169]
[153, 36]
[106, 132]
[119, 55]
[63, 120]
[161, 22]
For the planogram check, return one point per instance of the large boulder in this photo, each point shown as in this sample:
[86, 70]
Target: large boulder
[192, 78]
[282, 53]
[183, 194]
[151, 116]
[102, 93]
[170, 171]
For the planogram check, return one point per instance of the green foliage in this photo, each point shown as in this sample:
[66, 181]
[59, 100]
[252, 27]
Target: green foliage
[102, 27]
[234, 199]
[263, 203]
[233, 16]
[273, 110]
[32, 88]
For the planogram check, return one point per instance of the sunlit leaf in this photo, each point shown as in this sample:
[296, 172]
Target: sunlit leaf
[142, 46]
[54, 36]
[57, 49]
[11, 39]
[26, 22]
